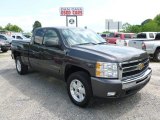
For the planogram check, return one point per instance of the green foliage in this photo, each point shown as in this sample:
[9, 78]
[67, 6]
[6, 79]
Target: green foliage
[106, 32]
[157, 19]
[135, 29]
[126, 27]
[36, 24]
[1, 28]
[148, 25]
[13, 28]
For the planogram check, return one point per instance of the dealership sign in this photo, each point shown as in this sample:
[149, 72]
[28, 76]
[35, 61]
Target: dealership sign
[71, 11]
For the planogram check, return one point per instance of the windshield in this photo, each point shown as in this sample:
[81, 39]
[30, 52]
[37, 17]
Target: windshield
[77, 36]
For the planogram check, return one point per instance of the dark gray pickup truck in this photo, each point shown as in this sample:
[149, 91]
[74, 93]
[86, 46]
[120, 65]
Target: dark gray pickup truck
[81, 58]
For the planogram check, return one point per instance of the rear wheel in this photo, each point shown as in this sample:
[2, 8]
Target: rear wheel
[20, 67]
[79, 88]
[157, 55]
[3, 50]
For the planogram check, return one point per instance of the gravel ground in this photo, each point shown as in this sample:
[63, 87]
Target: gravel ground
[36, 96]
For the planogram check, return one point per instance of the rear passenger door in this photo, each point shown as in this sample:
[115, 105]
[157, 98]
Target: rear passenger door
[35, 55]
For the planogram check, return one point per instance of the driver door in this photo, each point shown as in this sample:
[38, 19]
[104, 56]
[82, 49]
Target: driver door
[52, 57]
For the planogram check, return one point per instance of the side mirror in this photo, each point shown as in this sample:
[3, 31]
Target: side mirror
[52, 43]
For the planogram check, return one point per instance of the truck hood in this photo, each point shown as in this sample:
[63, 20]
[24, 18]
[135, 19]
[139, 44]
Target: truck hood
[113, 53]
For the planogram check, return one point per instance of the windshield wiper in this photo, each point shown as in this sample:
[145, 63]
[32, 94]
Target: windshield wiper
[87, 43]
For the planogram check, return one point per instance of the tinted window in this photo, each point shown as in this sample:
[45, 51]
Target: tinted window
[151, 35]
[157, 36]
[111, 35]
[19, 37]
[142, 35]
[117, 35]
[13, 36]
[103, 35]
[50, 35]
[39, 36]
[127, 36]
[2, 37]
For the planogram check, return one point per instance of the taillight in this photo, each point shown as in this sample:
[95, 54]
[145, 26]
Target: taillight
[143, 46]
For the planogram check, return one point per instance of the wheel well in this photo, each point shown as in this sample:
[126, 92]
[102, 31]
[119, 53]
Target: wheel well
[71, 69]
[158, 48]
[15, 53]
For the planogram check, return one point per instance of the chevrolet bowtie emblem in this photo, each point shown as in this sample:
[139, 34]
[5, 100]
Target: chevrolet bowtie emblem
[140, 66]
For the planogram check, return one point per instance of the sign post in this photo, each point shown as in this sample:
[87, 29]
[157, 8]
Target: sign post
[70, 13]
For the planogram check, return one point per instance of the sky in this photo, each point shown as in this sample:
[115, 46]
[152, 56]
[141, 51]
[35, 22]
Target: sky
[25, 12]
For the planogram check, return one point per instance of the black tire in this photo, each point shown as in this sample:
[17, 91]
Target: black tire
[85, 80]
[21, 69]
[157, 55]
[4, 50]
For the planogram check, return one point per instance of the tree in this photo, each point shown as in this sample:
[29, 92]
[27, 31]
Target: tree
[126, 27]
[1, 28]
[36, 24]
[150, 26]
[157, 19]
[13, 28]
[135, 28]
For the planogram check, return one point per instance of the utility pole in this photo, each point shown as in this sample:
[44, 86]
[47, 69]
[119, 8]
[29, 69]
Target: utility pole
[118, 26]
[108, 26]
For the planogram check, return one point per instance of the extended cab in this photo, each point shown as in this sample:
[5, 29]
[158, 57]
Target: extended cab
[146, 35]
[151, 46]
[88, 65]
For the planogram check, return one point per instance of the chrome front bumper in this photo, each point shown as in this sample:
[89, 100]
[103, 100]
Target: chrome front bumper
[135, 81]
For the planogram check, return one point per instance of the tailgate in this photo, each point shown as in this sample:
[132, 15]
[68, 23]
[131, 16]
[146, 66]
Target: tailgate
[136, 44]
[120, 42]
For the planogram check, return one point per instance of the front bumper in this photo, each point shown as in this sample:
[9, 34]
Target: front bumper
[122, 88]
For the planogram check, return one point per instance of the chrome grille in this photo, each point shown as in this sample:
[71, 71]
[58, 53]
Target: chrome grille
[133, 67]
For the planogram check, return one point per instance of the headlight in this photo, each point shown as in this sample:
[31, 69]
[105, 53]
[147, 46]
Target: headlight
[106, 70]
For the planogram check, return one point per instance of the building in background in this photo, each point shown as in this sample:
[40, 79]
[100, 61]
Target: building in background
[111, 25]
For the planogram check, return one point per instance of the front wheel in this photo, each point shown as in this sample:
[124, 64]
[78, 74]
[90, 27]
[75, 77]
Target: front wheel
[79, 88]
[157, 55]
[20, 67]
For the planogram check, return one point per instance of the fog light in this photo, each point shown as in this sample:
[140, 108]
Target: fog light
[111, 93]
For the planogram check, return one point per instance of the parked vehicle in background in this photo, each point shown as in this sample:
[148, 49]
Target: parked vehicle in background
[146, 35]
[151, 46]
[19, 36]
[142, 35]
[88, 65]
[113, 37]
[124, 42]
[6, 38]
[104, 35]
[4, 45]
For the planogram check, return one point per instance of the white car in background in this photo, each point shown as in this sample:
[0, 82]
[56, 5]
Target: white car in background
[19, 36]
[6, 38]
[142, 35]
